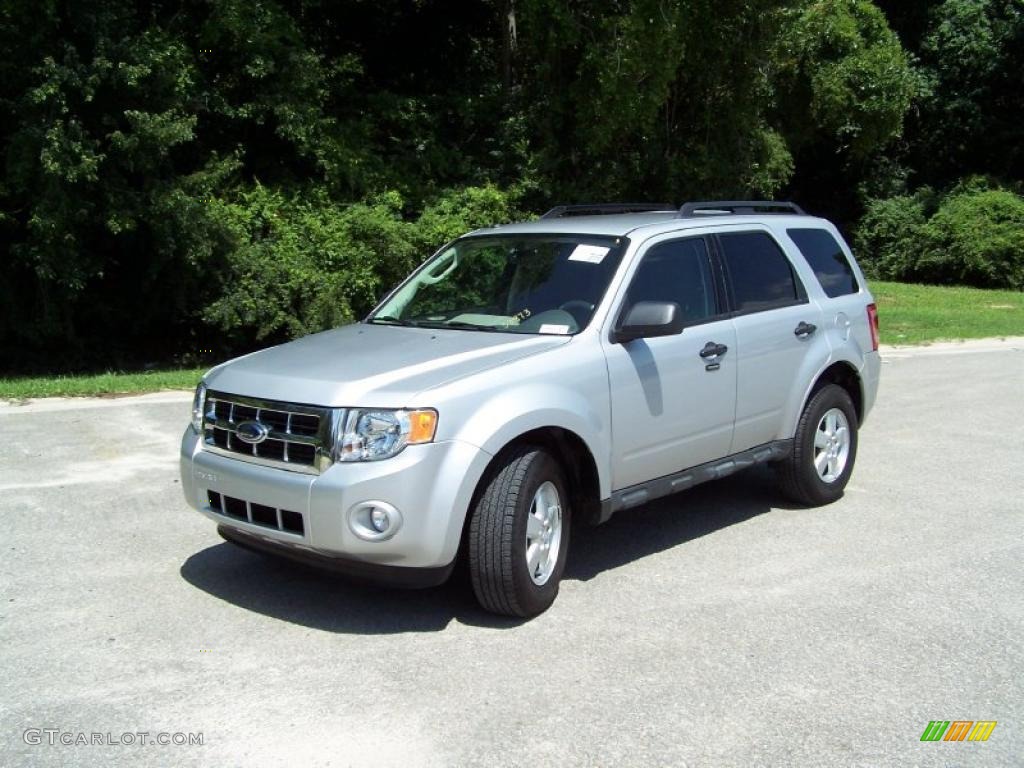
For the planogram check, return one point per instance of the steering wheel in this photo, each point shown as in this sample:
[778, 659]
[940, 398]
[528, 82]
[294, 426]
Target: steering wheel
[579, 309]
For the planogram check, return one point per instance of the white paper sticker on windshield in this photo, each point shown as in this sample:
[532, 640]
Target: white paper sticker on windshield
[594, 254]
[551, 328]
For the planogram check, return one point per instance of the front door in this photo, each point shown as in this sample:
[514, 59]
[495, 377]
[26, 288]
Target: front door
[672, 406]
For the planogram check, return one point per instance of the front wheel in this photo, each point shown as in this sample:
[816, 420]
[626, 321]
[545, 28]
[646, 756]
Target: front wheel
[824, 449]
[519, 534]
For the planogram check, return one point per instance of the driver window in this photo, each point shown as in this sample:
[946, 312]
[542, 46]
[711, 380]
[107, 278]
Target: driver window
[678, 271]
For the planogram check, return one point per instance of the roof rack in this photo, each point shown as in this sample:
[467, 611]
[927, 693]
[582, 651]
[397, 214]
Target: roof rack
[727, 207]
[601, 209]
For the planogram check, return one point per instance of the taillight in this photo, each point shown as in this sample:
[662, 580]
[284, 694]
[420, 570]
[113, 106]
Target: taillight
[873, 324]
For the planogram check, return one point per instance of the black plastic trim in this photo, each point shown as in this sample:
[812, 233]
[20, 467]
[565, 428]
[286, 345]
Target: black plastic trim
[641, 493]
[387, 575]
[722, 286]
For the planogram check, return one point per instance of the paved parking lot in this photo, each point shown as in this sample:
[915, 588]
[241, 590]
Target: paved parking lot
[719, 627]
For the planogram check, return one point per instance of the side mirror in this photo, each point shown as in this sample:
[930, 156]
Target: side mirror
[647, 319]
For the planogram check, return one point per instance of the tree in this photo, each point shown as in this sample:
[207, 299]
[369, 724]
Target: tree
[973, 57]
[163, 160]
[123, 121]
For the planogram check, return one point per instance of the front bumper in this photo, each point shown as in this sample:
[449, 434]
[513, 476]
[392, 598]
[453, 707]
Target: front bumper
[431, 486]
[389, 575]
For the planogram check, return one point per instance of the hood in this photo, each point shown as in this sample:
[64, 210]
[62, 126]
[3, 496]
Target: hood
[375, 366]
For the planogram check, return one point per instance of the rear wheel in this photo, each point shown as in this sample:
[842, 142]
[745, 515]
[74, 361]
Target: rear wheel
[519, 534]
[824, 449]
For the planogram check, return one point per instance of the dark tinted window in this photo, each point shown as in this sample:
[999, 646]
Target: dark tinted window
[827, 260]
[760, 272]
[679, 271]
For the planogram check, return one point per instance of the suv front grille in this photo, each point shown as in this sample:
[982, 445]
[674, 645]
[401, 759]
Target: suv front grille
[295, 437]
[257, 514]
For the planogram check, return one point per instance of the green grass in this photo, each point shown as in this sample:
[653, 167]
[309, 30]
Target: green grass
[99, 384]
[918, 314]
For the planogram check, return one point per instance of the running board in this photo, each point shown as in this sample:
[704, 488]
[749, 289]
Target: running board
[637, 495]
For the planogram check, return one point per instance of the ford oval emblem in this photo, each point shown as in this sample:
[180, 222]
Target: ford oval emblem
[252, 432]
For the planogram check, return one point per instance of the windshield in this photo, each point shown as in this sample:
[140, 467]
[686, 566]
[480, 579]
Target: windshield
[524, 284]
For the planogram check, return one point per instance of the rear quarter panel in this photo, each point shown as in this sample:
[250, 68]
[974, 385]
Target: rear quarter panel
[846, 324]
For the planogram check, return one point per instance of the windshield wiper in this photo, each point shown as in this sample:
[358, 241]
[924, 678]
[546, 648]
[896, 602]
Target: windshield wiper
[462, 325]
[459, 325]
[395, 320]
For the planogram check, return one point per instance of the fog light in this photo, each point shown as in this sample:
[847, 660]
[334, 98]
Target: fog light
[374, 520]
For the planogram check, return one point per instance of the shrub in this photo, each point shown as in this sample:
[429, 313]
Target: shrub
[296, 264]
[973, 236]
[459, 211]
[976, 238]
[889, 236]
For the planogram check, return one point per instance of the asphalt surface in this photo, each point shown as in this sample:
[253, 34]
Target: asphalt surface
[720, 627]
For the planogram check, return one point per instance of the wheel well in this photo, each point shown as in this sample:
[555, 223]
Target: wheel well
[577, 463]
[846, 376]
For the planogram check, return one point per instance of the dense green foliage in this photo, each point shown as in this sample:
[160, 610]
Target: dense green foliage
[888, 238]
[972, 236]
[219, 174]
[301, 264]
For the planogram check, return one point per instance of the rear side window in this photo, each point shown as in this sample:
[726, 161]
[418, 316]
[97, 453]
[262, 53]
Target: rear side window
[759, 271]
[827, 260]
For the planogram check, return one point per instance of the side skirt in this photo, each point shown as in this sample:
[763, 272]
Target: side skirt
[641, 493]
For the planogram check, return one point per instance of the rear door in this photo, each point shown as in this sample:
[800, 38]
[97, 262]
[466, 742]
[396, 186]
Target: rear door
[671, 407]
[778, 332]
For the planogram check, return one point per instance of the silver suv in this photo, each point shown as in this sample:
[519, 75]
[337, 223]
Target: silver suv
[532, 376]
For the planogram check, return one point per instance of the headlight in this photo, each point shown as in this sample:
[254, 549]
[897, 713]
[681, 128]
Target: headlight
[198, 406]
[375, 435]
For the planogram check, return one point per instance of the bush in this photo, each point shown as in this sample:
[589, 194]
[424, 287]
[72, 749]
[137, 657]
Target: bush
[973, 236]
[889, 236]
[976, 239]
[460, 211]
[297, 264]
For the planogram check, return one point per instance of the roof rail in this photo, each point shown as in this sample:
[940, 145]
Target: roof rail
[600, 209]
[726, 207]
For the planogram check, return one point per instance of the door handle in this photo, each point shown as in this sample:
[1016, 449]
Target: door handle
[804, 330]
[711, 349]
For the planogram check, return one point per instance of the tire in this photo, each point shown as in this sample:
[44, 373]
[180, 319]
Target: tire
[528, 483]
[824, 449]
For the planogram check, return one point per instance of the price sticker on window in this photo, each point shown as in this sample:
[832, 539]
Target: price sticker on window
[592, 254]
